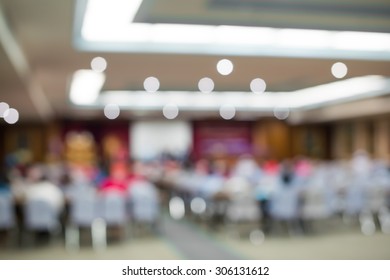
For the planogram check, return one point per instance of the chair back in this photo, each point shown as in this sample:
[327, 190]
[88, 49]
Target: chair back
[83, 210]
[285, 203]
[112, 208]
[243, 209]
[144, 202]
[355, 197]
[317, 203]
[40, 215]
[7, 215]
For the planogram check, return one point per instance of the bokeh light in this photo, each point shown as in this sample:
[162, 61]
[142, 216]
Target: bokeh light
[198, 205]
[225, 67]
[281, 113]
[256, 237]
[176, 208]
[385, 226]
[3, 107]
[170, 111]
[99, 232]
[98, 64]
[367, 223]
[339, 70]
[368, 227]
[258, 85]
[227, 111]
[206, 85]
[384, 219]
[111, 111]
[151, 84]
[11, 115]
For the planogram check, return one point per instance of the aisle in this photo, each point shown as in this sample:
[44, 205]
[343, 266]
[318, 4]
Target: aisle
[194, 244]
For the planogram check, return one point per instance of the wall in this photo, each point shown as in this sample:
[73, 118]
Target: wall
[371, 135]
[149, 139]
[278, 140]
[28, 142]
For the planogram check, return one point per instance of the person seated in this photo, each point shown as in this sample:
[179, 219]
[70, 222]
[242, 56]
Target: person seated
[137, 173]
[271, 167]
[246, 167]
[117, 180]
[303, 167]
[40, 188]
[361, 165]
[213, 182]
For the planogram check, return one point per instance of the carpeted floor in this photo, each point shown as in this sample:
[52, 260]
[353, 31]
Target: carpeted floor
[187, 240]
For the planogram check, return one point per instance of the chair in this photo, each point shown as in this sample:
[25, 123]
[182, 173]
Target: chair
[355, 198]
[7, 215]
[384, 220]
[242, 207]
[208, 187]
[144, 202]
[112, 209]
[376, 192]
[284, 206]
[375, 205]
[316, 204]
[41, 216]
[84, 214]
[317, 197]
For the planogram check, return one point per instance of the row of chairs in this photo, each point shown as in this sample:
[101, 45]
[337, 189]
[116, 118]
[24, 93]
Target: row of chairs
[38, 215]
[362, 200]
[87, 209]
[7, 214]
[234, 207]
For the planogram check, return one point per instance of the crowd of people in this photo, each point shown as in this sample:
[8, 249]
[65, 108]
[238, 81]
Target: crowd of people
[296, 190]
[66, 191]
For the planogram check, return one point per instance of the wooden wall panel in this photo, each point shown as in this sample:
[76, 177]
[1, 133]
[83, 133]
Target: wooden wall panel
[29, 138]
[271, 139]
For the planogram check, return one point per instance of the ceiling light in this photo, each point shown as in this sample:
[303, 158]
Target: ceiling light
[317, 96]
[206, 85]
[361, 41]
[258, 85]
[109, 20]
[225, 67]
[339, 70]
[227, 111]
[3, 107]
[281, 113]
[303, 38]
[111, 111]
[350, 89]
[112, 22]
[98, 64]
[181, 33]
[11, 115]
[170, 111]
[242, 35]
[151, 84]
[85, 86]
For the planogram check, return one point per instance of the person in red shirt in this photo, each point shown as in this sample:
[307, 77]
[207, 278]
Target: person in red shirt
[117, 180]
[271, 167]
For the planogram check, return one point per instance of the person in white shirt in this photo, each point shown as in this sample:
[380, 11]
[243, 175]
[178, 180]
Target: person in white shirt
[38, 187]
[246, 167]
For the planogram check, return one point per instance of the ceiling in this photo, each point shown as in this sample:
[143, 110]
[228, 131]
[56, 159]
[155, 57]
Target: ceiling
[39, 53]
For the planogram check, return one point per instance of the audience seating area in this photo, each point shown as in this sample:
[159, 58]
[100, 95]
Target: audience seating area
[243, 203]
